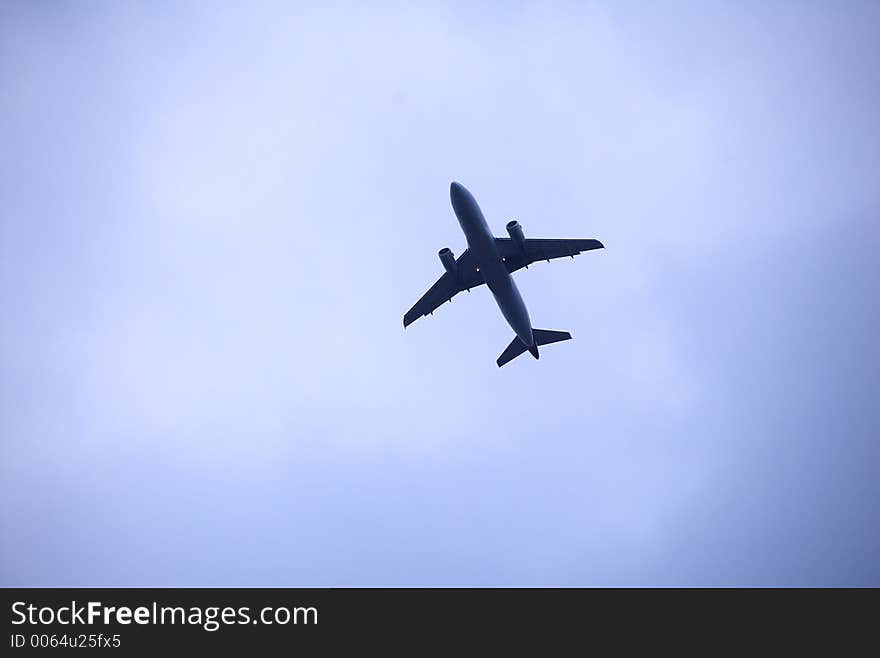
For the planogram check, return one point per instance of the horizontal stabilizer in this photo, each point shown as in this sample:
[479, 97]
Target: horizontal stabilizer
[545, 336]
[542, 337]
[513, 350]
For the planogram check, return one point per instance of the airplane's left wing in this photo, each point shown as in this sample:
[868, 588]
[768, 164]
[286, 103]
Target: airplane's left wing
[535, 249]
[465, 277]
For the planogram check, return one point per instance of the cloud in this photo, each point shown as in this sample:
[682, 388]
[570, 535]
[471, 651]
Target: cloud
[216, 218]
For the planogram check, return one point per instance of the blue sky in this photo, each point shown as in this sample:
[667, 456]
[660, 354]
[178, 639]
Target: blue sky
[212, 219]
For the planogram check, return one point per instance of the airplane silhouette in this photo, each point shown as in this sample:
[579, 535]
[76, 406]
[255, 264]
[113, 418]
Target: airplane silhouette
[492, 260]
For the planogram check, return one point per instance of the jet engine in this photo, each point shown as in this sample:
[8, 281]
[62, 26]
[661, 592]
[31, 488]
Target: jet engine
[514, 230]
[448, 259]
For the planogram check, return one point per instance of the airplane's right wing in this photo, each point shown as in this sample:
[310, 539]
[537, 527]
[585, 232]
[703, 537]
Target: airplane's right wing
[535, 249]
[465, 277]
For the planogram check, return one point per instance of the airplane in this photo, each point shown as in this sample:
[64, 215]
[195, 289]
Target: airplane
[492, 260]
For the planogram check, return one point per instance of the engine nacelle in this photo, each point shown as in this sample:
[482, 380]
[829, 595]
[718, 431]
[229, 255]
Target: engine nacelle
[448, 259]
[514, 230]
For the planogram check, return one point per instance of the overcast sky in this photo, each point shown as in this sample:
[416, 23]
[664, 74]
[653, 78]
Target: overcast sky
[213, 218]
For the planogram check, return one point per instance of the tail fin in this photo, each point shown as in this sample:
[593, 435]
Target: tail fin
[542, 337]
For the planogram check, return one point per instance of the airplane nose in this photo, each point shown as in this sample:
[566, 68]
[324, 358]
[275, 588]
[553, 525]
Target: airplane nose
[455, 190]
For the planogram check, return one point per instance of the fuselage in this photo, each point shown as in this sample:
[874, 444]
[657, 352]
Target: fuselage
[481, 242]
